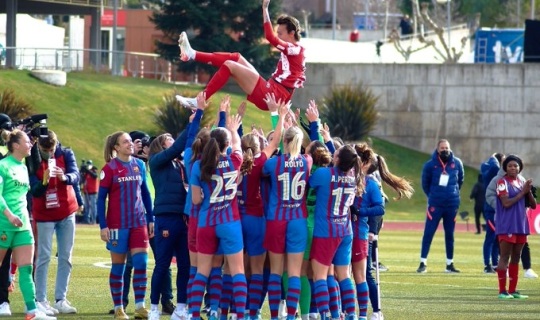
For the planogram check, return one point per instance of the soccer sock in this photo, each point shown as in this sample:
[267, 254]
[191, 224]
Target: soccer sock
[362, 295]
[333, 291]
[305, 295]
[513, 273]
[313, 304]
[266, 275]
[502, 280]
[216, 286]
[217, 59]
[28, 289]
[116, 282]
[347, 295]
[240, 294]
[192, 273]
[217, 81]
[274, 294]
[140, 261]
[226, 294]
[197, 293]
[322, 297]
[255, 294]
[293, 294]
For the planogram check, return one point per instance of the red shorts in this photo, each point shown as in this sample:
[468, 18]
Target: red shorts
[274, 237]
[271, 86]
[192, 234]
[513, 238]
[359, 250]
[324, 249]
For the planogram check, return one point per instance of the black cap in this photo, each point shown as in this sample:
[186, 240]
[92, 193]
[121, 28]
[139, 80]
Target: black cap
[139, 135]
[5, 122]
[512, 157]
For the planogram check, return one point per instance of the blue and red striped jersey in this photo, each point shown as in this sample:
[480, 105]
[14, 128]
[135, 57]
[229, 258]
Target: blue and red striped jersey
[249, 189]
[123, 180]
[334, 191]
[219, 203]
[288, 182]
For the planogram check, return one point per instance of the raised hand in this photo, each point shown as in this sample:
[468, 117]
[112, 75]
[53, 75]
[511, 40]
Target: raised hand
[312, 112]
[225, 104]
[233, 122]
[242, 109]
[271, 102]
[325, 133]
[201, 101]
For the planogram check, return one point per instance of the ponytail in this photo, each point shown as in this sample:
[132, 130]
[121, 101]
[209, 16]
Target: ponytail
[401, 185]
[209, 159]
[293, 137]
[111, 141]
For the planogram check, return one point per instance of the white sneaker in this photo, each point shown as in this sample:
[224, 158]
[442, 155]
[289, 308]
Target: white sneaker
[154, 315]
[377, 316]
[529, 273]
[313, 316]
[189, 103]
[282, 312]
[46, 308]
[180, 314]
[186, 52]
[39, 315]
[4, 309]
[63, 306]
[233, 316]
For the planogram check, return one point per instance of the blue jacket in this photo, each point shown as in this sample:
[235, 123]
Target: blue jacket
[439, 196]
[489, 171]
[169, 178]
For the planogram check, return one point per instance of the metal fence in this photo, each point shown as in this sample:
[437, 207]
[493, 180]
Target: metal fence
[133, 64]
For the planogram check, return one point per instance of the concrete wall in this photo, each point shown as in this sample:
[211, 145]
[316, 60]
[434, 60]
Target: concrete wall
[480, 109]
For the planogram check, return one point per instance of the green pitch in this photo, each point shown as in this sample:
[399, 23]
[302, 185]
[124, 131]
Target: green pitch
[405, 294]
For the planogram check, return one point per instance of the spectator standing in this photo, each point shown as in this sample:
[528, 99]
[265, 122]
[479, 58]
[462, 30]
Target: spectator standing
[90, 189]
[54, 206]
[512, 224]
[405, 25]
[490, 170]
[442, 178]
[478, 194]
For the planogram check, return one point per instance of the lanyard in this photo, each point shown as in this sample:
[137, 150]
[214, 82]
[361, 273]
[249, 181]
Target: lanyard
[443, 165]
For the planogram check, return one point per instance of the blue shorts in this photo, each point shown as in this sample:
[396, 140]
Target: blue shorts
[253, 230]
[122, 240]
[286, 236]
[224, 237]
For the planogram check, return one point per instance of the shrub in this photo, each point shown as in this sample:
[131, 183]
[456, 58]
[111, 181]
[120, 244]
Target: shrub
[171, 117]
[16, 108]
[350, 111]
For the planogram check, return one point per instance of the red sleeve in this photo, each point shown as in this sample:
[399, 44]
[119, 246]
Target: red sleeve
[502, 188]
[236, 158]
[272, 38]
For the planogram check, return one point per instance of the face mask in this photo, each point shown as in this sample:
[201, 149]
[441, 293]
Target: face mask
[44, 155]
[444, 155]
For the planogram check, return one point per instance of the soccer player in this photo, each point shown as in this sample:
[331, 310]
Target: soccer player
[286, 225]
[512, 224]
[289, 74]
[14, 220]
[123, 181]
[250, 205]
[213, 186]
[335, 190]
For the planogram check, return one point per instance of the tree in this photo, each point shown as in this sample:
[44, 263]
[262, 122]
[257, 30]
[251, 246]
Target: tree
[215, 25]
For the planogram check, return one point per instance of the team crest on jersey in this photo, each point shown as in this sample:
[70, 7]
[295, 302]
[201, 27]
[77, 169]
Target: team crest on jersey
[165, 233]
[502, 187]
[431, 209]
[102, 175]
[136, 169]
[3, 237]
[453, 165]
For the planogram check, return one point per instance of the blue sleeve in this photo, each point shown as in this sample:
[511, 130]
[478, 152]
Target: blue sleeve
[102, 196]
[314, 130]
[426, 178]
[145, 193]
[461, 174]
[195, 174]
[194, 127]
[164, 157]
[240, 130]
[77, 189]
[72, 171]
[316, 177]
[331, 147]
[183, 138]
[222, 119]
[374, 202]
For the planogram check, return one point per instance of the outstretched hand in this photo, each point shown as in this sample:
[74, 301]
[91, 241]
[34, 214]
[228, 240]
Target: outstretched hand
[242, 109]
[201, 101]
[225, 105]
[233, 122]
[312, 112]
[270, 99]
[266, 3]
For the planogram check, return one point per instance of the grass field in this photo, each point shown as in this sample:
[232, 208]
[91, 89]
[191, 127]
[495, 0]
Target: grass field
[406, 294]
